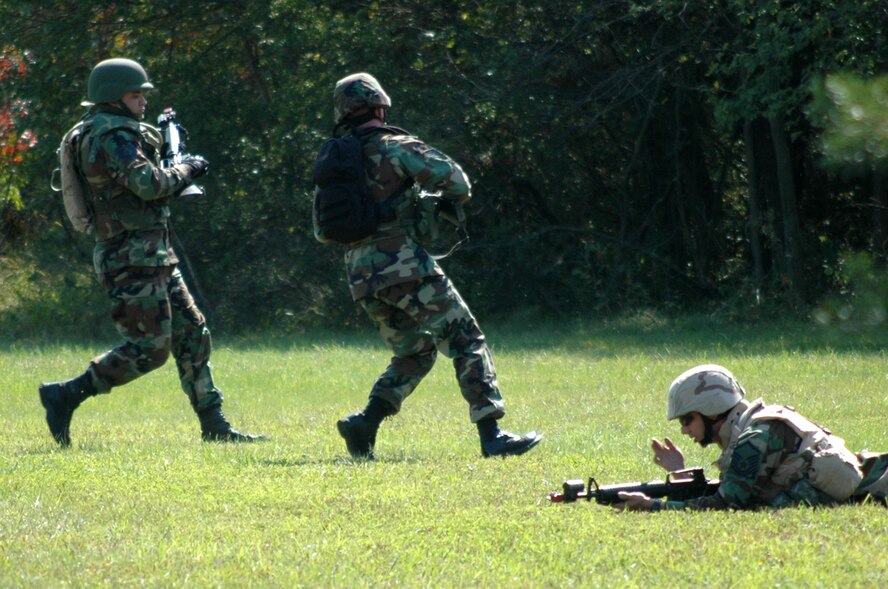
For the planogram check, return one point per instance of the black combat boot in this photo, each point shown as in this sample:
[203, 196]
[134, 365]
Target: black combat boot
[215, 428]
[359, 429]
[60, 399]
[497, 442]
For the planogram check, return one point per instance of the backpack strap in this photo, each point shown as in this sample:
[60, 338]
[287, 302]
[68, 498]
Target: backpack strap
[388, 207]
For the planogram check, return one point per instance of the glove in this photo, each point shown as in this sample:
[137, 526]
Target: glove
[197, 164]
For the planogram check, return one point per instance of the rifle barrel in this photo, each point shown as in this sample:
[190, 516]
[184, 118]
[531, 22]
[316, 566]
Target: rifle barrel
[687, 484]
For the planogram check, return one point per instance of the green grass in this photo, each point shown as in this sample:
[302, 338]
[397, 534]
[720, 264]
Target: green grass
[138, 500]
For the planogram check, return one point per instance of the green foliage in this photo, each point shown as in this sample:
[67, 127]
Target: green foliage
[15, 141]
[770, 51]
[855, 112]
[862, 302]
[139, 500]
[38, 303]
[602, 140]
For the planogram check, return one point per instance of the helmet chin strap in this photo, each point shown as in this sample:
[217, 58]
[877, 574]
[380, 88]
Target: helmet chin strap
[708, 436]
[708, 424]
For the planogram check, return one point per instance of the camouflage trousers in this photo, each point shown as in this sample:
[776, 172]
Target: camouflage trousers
[417, 319]
[157, 316]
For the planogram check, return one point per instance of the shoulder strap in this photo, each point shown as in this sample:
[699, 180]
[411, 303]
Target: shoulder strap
[390, 129]
[408, 182]
[397, 130]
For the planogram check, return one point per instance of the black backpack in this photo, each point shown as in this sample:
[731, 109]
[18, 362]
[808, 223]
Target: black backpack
[344, 209]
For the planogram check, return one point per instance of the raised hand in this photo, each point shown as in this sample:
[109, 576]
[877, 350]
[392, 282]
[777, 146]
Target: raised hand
[667, 455]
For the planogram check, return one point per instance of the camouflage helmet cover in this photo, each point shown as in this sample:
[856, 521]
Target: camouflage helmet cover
[112, 78]
[354, 92]
[708, 389]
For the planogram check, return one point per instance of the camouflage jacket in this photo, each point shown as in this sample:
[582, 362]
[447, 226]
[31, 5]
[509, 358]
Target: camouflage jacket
[391, 255]
[128, 190]
[763, 464]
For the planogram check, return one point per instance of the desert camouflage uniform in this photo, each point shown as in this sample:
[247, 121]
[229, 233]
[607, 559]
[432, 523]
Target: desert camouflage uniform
[402, 288]
[134, 258]
[751, 462]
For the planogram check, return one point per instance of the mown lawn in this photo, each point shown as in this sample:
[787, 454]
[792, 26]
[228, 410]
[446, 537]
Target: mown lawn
[138, 500]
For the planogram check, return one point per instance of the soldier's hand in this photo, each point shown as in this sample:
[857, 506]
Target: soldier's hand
[633, 502]
[667, 455]
[198, 165]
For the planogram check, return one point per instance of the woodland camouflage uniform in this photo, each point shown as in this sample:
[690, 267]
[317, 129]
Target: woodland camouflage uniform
[134, 258]
[151, 307]
[402, 288]
[416, 308]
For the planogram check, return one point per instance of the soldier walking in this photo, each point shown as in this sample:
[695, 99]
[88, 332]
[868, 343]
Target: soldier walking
[416, 308]
[129, 193]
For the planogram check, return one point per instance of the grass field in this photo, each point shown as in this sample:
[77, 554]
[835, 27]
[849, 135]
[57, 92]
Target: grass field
[138, 500]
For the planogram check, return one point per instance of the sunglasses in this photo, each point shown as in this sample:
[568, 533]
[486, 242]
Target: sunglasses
[686, 420]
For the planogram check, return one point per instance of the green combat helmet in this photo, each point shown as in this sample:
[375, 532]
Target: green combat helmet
[355, 92]
[112, 78]
[708, 389]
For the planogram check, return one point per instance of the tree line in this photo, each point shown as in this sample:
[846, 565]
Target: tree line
[663, 155]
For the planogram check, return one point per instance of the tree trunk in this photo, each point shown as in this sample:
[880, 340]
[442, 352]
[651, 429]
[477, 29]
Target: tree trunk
[880, 202]
[788, 207]
[755, 212]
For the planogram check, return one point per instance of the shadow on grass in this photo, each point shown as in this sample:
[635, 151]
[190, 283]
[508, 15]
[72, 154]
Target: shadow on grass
[88, 447]
[335, 461]
[643, 333]
[688, 335]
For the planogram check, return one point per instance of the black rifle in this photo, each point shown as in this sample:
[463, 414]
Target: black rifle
[173, 150]
[446, 214]
[690, 484]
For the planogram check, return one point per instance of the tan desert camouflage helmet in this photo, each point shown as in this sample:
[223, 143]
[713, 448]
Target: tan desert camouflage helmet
[708, 389]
